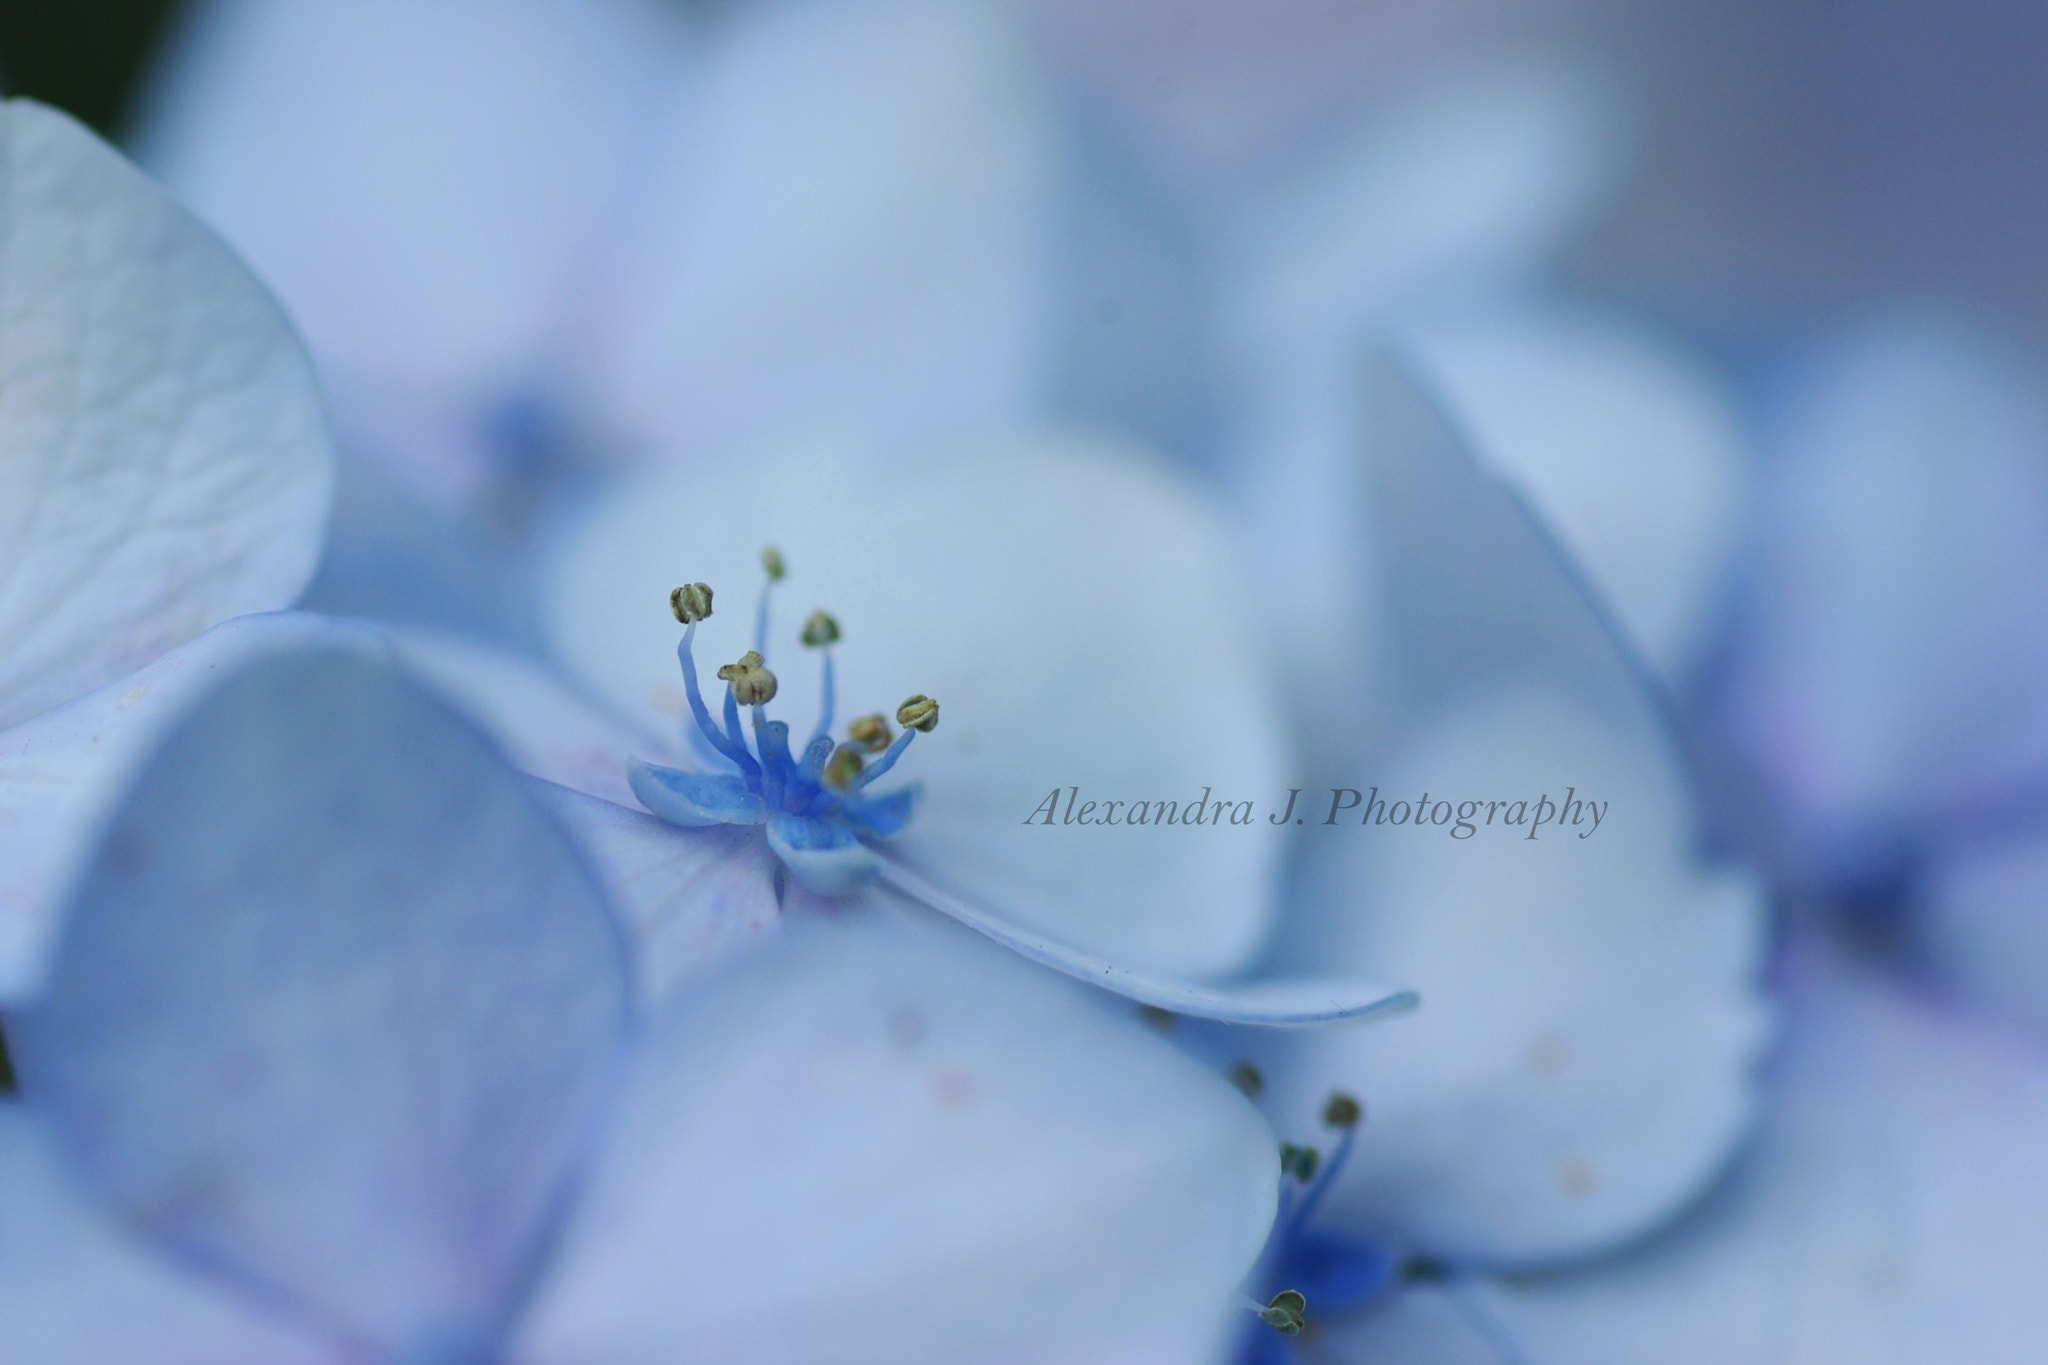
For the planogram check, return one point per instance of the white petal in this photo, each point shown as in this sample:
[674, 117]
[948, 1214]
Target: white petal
[1891, 1209]
[1582, 1061]
[849, 225]
[1624, 444]
[1072, 611]
[164, 458]
[63, 773]
[336, 1009]
[77, 1289]
[1893, 654]
[874, 1146]
[425, 218]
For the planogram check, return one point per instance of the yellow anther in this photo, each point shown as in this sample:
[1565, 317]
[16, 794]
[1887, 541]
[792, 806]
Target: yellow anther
[870, 733]
[820, 629]
[918, 713]
[690, 603]
[771, 563]
[844, 765]
[752, 685]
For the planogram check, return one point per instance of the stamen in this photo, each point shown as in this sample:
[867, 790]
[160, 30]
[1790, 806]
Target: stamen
[887, 760]
[1299, 1162]
[820, 630]
[918, 713]
[733, 750]
[844, 767]
[870, 733]
[1288, 1312]
[772, 568]
[752, 684]
[1341, 1112]
[691, 603]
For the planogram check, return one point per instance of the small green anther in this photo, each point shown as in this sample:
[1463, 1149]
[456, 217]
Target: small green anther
[1342, 1111]
[1299, 1162]
[1288, 1312]
[690, 603]
[844, 765]
[820, 629]
[870, 732]
[771, 563]
[918, 713]
[1247, 1078]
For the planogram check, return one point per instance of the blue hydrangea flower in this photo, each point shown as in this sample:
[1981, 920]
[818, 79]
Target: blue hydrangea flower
[814, 808]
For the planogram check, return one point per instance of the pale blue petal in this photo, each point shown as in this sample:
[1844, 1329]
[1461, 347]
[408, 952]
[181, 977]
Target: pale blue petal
[694, 799]
[63, 773]
[421, 217]
[690, 899]
[77, 1288]
[336, 1008]
[1890, 1210]
[822, 855]
[166, 463]
[872, 1146]
[1279, 1001]
[1586, 1060]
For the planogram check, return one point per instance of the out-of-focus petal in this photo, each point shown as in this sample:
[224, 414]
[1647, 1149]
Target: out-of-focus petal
[1981, 922]
[875, 1145]
[420, 180]
[848, 226]
[1890, 1210]
[1626, 446]
[164, 456]
[1458, 197]
[63, 774]
[1583, 1063]
[1891, 658]
[1072, 611]
[335, 1009]
[77, 1289]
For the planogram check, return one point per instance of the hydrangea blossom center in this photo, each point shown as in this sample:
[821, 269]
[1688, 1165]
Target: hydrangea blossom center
[814, 806]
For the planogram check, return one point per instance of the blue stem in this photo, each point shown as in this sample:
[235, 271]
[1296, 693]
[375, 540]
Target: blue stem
[736, 752]
[886, 761]
[1320, 1186]
[738, 737]
[826, 694]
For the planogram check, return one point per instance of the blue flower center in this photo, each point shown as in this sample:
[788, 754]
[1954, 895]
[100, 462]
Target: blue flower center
[814, 807]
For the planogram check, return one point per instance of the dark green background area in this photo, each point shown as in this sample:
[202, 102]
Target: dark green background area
[83, 56]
